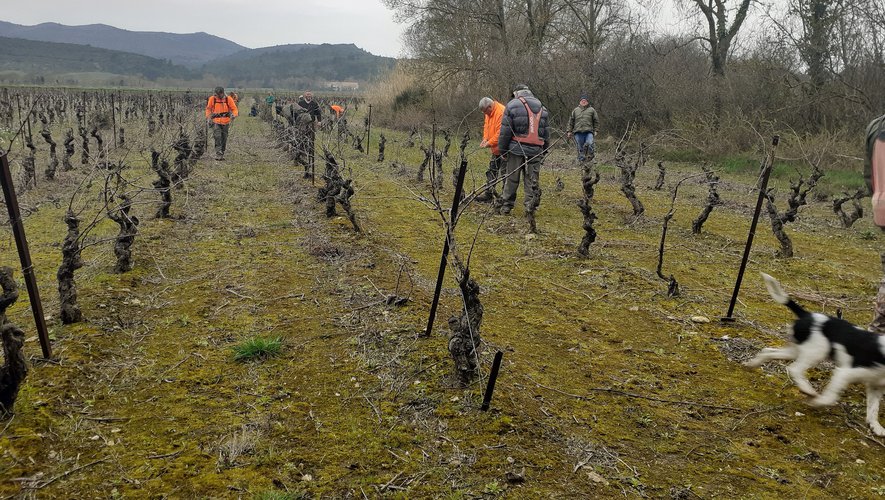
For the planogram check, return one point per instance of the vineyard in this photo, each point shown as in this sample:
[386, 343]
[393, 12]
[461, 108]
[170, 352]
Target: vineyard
[256, 327]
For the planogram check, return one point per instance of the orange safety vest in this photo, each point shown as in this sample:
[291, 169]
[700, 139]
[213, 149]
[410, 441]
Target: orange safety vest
[337, 109]
[532, 136]
[220, 111]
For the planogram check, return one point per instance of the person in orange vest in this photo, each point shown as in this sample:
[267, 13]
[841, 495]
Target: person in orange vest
[338, 110]
[220, 112]
[493, 111]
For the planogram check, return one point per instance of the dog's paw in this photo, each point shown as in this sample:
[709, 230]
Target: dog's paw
[878, 429]
[822, 401]
[811, 393]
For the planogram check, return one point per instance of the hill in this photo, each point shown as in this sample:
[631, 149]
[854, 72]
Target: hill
[48, 58]
[191, 49]
[33, 54]
[299, 65]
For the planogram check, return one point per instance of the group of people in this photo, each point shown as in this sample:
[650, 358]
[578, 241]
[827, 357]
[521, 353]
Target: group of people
[519, 137]
[221, 111]
[306, 104]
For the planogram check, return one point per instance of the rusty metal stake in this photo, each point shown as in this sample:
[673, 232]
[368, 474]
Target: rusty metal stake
[369, 130]
[766, 173]
[21, 243]
[490, 387]
[453, 217]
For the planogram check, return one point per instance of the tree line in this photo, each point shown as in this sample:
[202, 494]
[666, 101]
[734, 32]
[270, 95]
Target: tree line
[812, 65]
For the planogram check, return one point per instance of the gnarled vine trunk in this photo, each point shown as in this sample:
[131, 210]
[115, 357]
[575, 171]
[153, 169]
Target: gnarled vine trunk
[70, 262]
[15, 367]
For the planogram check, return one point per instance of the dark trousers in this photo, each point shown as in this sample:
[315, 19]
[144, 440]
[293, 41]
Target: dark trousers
[219, 133]
[530, 169]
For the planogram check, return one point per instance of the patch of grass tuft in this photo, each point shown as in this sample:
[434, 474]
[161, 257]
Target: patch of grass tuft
[256, 348]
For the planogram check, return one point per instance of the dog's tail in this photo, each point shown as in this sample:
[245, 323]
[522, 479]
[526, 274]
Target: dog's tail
[781, 297]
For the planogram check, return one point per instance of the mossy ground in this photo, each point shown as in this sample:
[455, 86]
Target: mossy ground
[607, 389]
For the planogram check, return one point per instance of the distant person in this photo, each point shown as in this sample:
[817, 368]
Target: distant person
[235, 97]
[338, 110]
[582, 124]
[221, 110]
[524, 140]
[493, 111]
[307, 103]
[270, 100]
[874, 171]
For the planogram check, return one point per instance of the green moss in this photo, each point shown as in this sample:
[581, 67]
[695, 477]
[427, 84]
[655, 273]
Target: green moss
[281, 495]
[359, 401]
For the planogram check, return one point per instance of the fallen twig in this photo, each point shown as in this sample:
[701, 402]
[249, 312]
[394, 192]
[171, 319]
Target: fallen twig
[107, 419]
[573, 291]
[757, 412]
[64, 474]
[374, 408]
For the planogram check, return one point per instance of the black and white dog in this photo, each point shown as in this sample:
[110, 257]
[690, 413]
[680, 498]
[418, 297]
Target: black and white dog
[859, 355]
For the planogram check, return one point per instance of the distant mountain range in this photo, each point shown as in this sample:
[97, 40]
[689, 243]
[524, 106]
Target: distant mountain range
[296, 65]
[192, 49]
[99, 54]
[48, 58]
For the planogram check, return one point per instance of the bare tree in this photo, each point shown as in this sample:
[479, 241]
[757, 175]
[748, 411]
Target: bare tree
[811, 26]
[721, 33]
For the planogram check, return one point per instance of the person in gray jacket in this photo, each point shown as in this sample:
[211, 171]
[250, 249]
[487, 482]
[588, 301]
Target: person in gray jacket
[582, 124]
[524, 139]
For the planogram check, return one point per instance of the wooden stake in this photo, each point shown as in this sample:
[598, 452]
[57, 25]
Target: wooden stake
[493, 376]
[21, 243]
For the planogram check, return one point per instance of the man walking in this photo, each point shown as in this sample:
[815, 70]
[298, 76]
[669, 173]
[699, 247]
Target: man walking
[524, 140]
[220, 112]
[312, 107]
[493, 111]
[874, 171]
[582, 124]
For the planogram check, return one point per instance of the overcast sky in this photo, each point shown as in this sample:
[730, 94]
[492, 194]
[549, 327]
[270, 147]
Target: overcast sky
[252, 23]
